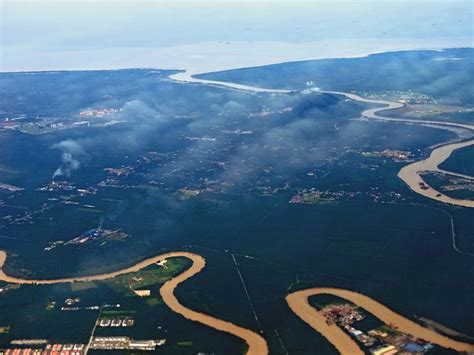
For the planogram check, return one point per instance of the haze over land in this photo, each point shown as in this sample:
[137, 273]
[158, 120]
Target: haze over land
[236, 177]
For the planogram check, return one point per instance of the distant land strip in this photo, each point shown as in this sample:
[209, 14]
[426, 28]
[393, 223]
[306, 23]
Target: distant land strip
[299, 304]
[257, 345]
[411, 173]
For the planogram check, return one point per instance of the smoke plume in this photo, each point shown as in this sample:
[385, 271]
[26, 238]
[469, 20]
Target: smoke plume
[71, 153]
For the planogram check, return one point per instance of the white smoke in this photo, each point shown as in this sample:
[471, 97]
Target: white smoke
[71, 153]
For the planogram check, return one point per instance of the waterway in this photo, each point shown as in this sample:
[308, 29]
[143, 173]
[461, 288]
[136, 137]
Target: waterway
[412, 173]
[299, 304]
[257, 345]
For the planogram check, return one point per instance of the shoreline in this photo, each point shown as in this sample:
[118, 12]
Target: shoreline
[207, 57]
[257, 345]
[410, 174]
[299, 304]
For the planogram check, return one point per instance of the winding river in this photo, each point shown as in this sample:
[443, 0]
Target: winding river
[257, 345]
[299, 304]
[297, 301]
[411, 174]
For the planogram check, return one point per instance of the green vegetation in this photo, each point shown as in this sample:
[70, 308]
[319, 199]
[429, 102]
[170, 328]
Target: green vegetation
[185, 343]
[153, 301]
[150, 276]
[79, 286]
[379, 238]
[320, 301]
[313, 198]
[376, 73]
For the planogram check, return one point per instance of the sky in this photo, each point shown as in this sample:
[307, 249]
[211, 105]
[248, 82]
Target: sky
[52, 35]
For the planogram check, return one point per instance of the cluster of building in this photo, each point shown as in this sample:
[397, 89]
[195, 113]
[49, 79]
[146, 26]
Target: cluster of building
[49, 349]
[43, 125]
[58, 186]
[88, 308]
[399, 156]
[122, 171]
[345, 315]
[265, 112]
[98, 112]
[395, 343]
[313, 196]
[88, 236]
[342, 314]
[124, 343]
[382, 340]
[116, 322]
[404, 97]
[117, 176]
[71, 304]
[61, 185]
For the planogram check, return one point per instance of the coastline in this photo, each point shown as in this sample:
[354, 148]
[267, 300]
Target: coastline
[411, 174]
[207, 57]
